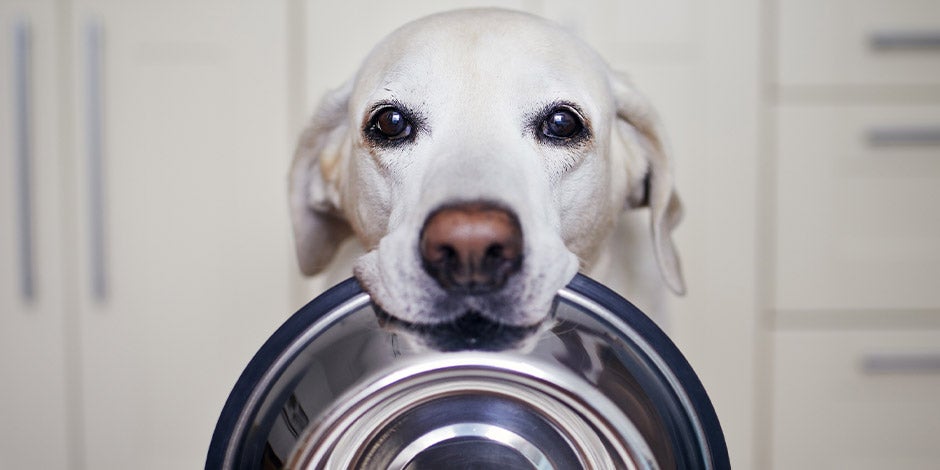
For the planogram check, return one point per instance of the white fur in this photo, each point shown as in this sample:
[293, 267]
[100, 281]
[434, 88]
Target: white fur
[479, 78]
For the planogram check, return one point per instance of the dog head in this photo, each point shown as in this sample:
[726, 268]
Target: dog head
[481, 157]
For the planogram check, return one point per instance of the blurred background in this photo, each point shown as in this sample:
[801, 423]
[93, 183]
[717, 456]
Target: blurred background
[145, 247]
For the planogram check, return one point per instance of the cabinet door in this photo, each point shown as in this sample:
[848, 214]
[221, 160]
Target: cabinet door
[33, 409]
[857, 221]
[859, 399]
[181, 148]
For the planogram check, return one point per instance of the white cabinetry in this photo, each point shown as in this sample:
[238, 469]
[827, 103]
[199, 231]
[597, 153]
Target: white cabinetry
[168, 250]
[856, 399]
[33, 326]
[857, 219]
[855, 138]
[852, 43]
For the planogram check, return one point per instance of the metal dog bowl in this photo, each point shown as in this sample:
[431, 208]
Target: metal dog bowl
[341, 385]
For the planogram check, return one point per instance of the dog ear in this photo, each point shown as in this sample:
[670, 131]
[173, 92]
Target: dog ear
[641, 130]
[319, 225]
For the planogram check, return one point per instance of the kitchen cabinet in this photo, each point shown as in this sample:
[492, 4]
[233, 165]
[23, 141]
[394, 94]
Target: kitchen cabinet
[192, 147]
[856, 191]
[33, 321]
[854, 140]
[849, 44]
[169, 253]
[859, 399]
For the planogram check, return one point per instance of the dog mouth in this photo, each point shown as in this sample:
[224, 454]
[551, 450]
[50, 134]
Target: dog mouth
[477, 314]
[471, 331]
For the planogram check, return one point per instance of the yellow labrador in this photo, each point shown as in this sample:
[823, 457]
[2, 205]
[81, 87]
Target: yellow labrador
[481, 157]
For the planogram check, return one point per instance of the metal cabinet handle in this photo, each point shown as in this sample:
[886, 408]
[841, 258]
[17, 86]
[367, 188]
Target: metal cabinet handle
[905, 136]
[896, 363]
[904, 40]
[94, 122]
[23, 137]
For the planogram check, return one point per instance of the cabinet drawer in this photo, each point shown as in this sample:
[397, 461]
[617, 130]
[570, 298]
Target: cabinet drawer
[857, 217]
[858, 42]
[856, 400]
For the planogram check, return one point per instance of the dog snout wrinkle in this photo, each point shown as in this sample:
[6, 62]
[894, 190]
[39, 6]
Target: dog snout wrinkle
[471, 248]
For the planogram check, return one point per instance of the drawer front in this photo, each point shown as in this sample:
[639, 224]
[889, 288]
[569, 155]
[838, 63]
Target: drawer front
[857, 217]
[858, 42]
[856, 400]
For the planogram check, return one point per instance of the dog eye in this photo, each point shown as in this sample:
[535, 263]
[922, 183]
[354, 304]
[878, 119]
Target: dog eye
[562, 124]
[391, 124]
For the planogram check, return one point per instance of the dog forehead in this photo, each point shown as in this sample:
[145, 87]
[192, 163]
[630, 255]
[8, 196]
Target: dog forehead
[486, 52]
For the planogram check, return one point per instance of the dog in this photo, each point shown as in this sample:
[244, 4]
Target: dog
[482, 158]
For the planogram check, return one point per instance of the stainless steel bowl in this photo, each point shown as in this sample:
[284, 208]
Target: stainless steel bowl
[341, 385]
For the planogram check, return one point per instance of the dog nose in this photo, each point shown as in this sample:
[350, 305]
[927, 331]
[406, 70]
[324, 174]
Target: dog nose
[471, 248]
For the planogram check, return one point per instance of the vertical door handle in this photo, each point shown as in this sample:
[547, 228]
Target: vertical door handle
[22, 62]
[94, 126]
